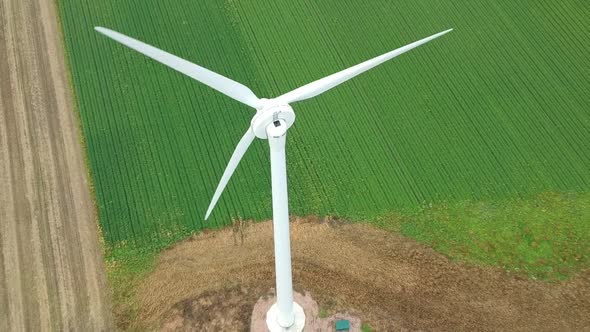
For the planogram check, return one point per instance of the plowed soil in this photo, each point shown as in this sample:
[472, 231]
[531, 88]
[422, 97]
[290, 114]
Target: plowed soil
[52, 275]
[391, 282]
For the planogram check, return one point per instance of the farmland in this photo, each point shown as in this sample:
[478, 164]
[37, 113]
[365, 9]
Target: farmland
[52, 273]
[497, 109]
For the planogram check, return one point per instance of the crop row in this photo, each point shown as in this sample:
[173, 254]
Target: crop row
[497, 108]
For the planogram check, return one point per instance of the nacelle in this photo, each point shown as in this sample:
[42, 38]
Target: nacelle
[268, 115]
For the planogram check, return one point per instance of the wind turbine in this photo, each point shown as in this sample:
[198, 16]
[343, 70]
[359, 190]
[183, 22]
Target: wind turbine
[272, 120]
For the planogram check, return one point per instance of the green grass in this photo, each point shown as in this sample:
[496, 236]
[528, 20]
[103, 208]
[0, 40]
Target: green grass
[125, 270]
[366, 328]
[452, 144]
[127, 265]
[545, 236]
[496, 110]
[323, 313]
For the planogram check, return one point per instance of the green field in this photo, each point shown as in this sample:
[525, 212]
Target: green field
[497, 110]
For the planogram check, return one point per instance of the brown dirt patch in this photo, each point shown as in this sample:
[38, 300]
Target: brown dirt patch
[52, 275]
[225, 310]
[391, 282]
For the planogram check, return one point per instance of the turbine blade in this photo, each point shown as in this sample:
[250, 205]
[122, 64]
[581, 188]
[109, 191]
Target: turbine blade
[322, 85]
[218, 82]
[231, 167]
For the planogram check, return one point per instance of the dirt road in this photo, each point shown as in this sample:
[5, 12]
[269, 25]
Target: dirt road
[51, 270]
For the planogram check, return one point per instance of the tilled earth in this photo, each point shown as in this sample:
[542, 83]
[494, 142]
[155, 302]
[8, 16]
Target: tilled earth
[52, 275]
[391, 282]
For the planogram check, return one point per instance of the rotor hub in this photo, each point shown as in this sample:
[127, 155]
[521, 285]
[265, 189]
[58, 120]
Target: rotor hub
[282, 113]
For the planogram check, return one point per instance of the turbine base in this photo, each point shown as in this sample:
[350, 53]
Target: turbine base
[272, 319]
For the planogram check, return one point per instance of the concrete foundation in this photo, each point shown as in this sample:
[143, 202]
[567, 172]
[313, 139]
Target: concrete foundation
[313, 322]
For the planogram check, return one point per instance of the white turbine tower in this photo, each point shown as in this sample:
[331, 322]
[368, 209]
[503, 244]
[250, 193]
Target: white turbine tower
[272, 119]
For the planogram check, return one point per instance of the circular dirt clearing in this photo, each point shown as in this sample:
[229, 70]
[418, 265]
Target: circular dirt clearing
[389, 281]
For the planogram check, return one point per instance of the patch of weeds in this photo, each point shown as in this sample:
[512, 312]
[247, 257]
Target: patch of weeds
[366, 328]
[127, 265]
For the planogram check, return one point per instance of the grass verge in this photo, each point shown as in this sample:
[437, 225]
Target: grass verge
[127, 265]
[546, 236]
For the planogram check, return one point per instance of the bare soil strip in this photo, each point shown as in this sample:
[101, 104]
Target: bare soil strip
[51, 269]
[391, 282]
